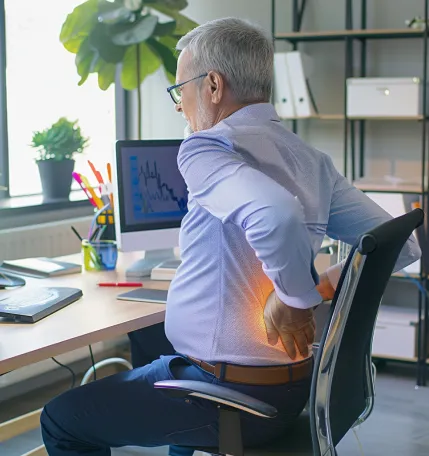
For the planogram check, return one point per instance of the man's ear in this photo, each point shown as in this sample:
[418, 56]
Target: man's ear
[216, 86]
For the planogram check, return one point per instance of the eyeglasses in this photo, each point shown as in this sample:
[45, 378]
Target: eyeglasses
[175, 91]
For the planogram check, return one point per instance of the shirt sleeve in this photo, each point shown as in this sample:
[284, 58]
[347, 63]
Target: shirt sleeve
[352, 214]
[221, 181]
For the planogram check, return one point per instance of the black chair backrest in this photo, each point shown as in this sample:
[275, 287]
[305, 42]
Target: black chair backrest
[339, 387]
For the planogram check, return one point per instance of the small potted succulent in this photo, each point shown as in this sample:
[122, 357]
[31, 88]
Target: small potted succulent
[56, 147]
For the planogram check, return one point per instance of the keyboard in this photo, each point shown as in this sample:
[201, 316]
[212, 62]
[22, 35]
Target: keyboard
[29, 305]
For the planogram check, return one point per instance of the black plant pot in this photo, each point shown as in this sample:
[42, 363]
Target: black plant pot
[56, 177]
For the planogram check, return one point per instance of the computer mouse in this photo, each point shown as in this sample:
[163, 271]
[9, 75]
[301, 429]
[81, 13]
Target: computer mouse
[7, 281]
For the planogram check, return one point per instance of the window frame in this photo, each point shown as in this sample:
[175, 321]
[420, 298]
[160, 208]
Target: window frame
[16, 205]
[4, 144]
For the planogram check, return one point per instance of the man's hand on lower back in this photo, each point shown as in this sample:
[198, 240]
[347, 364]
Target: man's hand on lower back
[295, 327]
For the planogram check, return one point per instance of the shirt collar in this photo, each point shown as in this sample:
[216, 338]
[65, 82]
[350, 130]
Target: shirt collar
[258, 111]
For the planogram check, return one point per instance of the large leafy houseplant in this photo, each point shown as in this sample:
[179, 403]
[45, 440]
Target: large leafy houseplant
[56, 147]
[138, 35]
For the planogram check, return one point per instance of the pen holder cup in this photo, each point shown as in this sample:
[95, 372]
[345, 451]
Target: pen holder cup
[99, 255]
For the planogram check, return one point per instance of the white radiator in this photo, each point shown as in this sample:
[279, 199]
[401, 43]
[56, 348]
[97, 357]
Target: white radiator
[47, 239]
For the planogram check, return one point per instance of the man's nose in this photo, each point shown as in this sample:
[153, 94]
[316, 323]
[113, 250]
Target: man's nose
[179, 107]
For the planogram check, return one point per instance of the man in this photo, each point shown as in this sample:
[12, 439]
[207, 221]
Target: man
[260, 202]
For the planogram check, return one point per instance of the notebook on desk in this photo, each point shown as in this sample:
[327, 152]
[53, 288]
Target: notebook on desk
[40, 267]
[145, 295]
[165, 270]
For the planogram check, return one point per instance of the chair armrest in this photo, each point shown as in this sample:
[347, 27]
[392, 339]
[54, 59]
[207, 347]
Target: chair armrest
[218, 394]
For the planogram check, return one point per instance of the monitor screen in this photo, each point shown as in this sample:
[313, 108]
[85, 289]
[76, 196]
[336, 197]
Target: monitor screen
[152, 193]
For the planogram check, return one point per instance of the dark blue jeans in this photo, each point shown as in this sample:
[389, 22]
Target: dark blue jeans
[125, 409]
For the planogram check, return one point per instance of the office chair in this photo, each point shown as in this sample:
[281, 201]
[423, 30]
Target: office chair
[342, 389]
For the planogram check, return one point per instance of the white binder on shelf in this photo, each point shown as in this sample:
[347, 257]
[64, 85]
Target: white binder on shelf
[298, 69]
[283, 98]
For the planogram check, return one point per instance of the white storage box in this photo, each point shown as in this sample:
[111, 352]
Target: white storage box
[384, 97]
[395, 333]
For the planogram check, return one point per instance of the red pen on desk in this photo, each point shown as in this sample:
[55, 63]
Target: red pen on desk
[120, 284]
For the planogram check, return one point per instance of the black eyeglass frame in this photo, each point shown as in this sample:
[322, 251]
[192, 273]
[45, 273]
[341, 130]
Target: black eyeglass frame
[176, 86]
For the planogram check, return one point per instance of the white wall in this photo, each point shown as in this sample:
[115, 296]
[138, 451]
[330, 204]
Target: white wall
[385, 58]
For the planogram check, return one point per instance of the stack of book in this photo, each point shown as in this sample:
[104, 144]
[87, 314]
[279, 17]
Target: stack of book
[165, 270]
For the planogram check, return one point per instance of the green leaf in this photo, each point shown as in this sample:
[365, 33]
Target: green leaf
[137, 32]
[169, 60]
[60, 141]
[106, 74]
[183, 23]
[101, 41]
[170, 4]
[133, 5]
[170, 77]
[85, 60]
[165, 28]
[149, 63]
[117, 16]
[170, 42]
[113, 12]
[78, 25]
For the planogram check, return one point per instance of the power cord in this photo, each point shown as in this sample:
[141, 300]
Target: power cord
[93, 362]
[358, 441]
[416, 282]
[69, 369]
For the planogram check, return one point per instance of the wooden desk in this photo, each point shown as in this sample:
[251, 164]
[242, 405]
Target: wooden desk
[97, 316]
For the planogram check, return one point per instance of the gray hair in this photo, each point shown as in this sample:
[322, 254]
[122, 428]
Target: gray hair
[240, 51]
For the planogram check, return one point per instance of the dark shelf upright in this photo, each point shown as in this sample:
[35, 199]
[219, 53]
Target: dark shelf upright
[273, 34]
[297, 14]
[423, 301]
[362, 125]
[348, 125]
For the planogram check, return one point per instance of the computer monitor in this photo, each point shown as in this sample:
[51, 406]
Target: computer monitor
[151, 201]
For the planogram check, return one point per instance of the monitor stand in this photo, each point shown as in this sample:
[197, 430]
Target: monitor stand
[143, 268]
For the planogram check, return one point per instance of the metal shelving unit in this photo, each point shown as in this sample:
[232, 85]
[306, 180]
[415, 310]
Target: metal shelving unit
[354, 147]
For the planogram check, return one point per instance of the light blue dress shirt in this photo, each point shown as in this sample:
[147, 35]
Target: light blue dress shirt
[260, 204]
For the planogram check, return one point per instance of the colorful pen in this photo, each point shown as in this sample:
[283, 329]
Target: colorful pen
[97, 174]
[78, 179]
[120, 284]
[96, 199]
[109, 175]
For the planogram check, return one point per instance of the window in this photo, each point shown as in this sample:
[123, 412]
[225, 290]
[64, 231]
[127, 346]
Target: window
[41, 87]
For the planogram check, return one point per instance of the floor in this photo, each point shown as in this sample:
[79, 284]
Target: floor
[398, 425]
